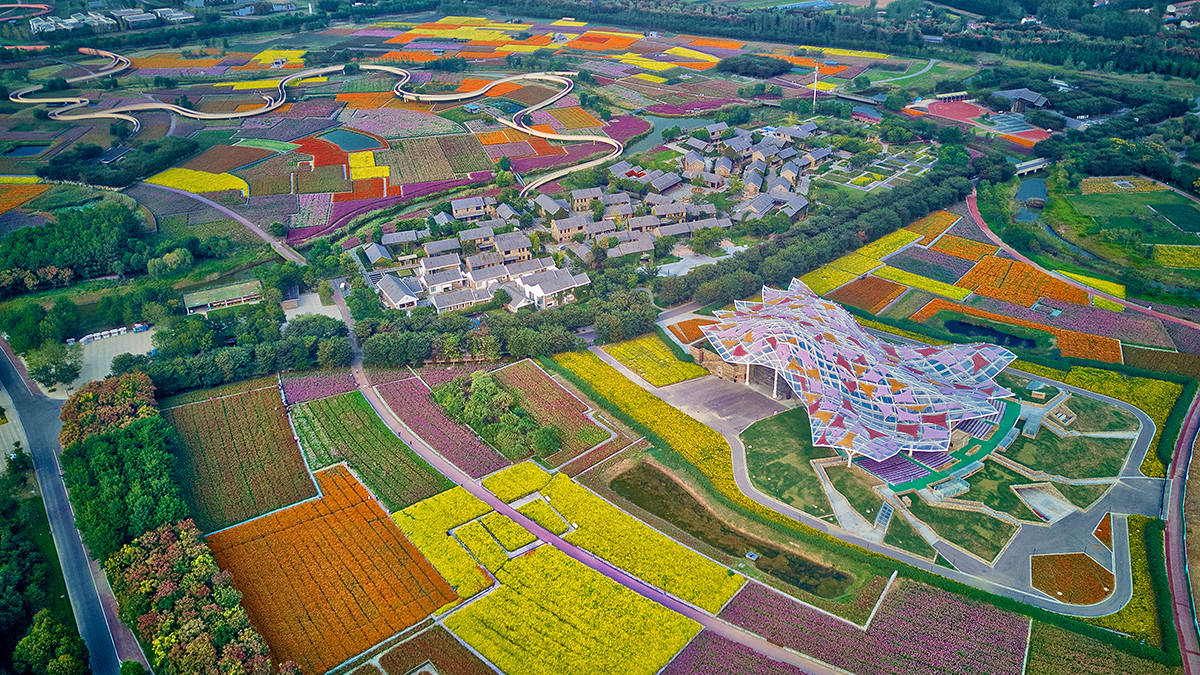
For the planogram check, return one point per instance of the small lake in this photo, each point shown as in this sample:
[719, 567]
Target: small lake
[350, 141]
[26, 150]
[1026, 215]
[654, 138]
[990, 334]
[1032, 188]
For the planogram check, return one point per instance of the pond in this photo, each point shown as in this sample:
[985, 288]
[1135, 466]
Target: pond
[654, 138]
[1026, 215]
[26, 150]
[1032, 188]
[350, 141]
[994, 336]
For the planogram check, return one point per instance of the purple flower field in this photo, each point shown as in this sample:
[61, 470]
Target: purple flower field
[575, 154]
[625, 127]
[918, 629]
[306, 387]
[686, 108]
[712, 654]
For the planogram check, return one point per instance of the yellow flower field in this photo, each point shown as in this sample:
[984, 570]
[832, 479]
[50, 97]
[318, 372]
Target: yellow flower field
[362, 165]
[482, 545]
[553, 615]
[1107, 185]
[191, 180]
[1104, 303]
[855, 263]
[428, 523]
[834, 51]
[825, 279]
[541, 513]
[645, 553]
[506, 531]
[1177, 255]
[924, 283]
[1111, 287]
[20, 180]
[889, 244]
[516, 481]
[651, 358]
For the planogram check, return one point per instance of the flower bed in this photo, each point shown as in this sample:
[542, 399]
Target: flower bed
[1103, 531]
[506, 531]
[418, 160]
[1139, 617]
[967, 249]
[465, 153]
[552, 405]
[575, 118]
[314, 210]
[346, 428]
[222, 158]
[540, 512]
[1108, 185]
[1128, 326]
[481, 544]
[825, 279]
[436, 374]
[363, 580]
[191, 180]
[571, 619]
[411, 402]
[712, 654]
[924, 283]
[428, 523]
[1071, 577]
[871, 294]
[625, 127]
[436, 646]
[301, 387]
[633, 546]
[688, 330]
[1019, 283]
[573, 154]
[397, 122]
[918, 629]
[237, 458]
[690, 107]
[930, 263]
[933, 225]
[1177, 255]
[888, 244]
[517, 481]
[855, 263]
[653, 360]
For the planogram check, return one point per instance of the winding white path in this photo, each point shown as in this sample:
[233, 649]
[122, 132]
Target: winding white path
[69, 109]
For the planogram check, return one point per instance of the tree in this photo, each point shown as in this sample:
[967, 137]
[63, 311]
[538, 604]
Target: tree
[50, 648]
[55, 363]
[895, 100]
[862, 82]
[132, 668]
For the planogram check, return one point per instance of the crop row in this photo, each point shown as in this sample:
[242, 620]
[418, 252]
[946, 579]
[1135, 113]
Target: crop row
[328, 578]
[238, 458]
[301, 388]
[345, 427]
[1018, 282]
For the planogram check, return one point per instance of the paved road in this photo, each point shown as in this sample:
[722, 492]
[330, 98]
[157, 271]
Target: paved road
[708, 621]
[929, 66]
[1177, 572]
[287, 252]
[39, 416]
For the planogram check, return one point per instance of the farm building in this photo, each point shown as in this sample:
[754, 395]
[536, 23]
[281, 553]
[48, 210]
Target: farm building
[222, 296]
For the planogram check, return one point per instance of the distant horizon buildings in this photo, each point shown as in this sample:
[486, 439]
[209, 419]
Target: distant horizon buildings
[863, 396]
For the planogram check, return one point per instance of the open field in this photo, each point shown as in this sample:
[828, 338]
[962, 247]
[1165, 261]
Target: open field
[1072, 456]
[778, 450]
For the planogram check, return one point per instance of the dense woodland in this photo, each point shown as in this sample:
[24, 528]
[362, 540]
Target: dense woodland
[495, 414]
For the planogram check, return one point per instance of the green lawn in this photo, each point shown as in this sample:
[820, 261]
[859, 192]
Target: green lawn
[978, 533]
[1082, 495]
[1094, 415]
[903, 535]
[855, 485]
[37, 529]
[778, 450]
[1072, 456]
[1142, 212]
[990, 485]
[1021, 387]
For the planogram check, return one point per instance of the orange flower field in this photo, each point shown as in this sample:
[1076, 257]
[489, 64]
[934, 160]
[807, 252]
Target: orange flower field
[328, 578]
[933, 225]
[688, 330]
[967, 249]
[1019, 283]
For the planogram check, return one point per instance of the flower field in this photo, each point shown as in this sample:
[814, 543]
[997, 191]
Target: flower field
[1018, 282]
[506, 531]
[825, 279]
[651, 358]
[540, 512]
[1071, 577]
[855, 263]
[1103, 531]
[645, 553]
[1138, 618]
[464, 153]
[967, 249]
[191, 180]
[1108, 185]
[12, 196]
[1113, 288]
[552, 405]
[553, 615]
[688, 330]
[889, 244]
[871, 294]
[428, 523]
[363, 580]
[298, 388]
[1070, 343]
[436, 646]
[481, 544]
[517, 481]
[345, 427]
[924, 283]
[933, 225]
[1178, 256]
[711, 654]
[238, 458]
[918, 629]
[410, 401]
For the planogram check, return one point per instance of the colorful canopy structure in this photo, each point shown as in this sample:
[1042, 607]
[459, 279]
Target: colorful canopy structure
[863, 396]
